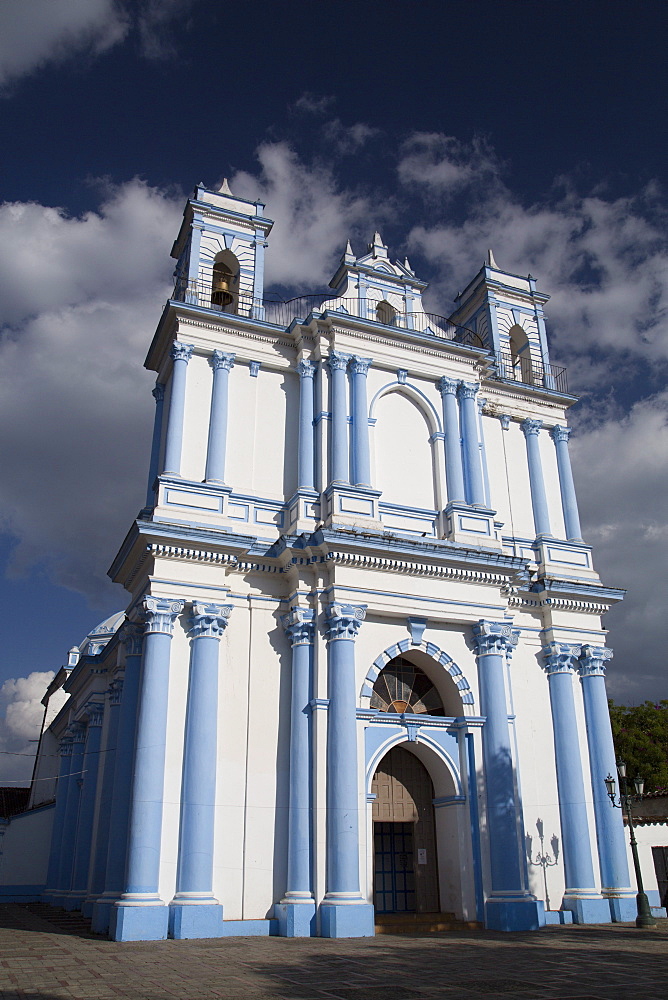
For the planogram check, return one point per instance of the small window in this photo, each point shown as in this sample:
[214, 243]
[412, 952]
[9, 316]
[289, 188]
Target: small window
[402, 687]
[385, 313]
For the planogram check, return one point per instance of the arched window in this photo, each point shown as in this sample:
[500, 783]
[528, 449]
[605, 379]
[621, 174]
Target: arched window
[385, 313]
[402, 687]
[225, 281]
[520, 355]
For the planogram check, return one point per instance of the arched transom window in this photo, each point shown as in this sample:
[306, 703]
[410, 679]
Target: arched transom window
[403, 687]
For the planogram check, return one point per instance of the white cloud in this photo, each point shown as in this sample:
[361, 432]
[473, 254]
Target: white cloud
[445, 165]
[21, 724]
[79, 300]
[36, 32]
[313, 216]
[622, 477]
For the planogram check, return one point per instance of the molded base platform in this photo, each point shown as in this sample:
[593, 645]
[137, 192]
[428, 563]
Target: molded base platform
[588, 911]
[514, 914]
[296, 919]
[346, 920]
[623, 909]
[195, 920]
[139, 923]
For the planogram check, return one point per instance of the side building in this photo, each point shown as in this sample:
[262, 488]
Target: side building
[362, 667]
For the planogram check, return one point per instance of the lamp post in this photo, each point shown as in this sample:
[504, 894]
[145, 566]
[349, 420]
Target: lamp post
[644, 918]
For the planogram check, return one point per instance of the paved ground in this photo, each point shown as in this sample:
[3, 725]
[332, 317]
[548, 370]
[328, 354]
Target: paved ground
[45, 961]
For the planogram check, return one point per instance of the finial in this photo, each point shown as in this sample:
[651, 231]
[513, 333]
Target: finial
[407, 265]
[224, 187]
[490, 260]
[348, 252]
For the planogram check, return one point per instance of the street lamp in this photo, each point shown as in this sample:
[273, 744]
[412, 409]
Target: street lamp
[626, 800]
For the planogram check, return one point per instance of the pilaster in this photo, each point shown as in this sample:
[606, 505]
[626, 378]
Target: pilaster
[180, 355]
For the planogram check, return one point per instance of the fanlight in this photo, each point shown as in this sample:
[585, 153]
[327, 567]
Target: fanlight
[403, 687]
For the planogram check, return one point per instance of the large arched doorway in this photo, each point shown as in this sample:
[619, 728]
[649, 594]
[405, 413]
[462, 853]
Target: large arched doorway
[404, 832]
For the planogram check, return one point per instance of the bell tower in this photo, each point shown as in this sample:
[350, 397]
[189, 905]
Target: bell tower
[220, 252]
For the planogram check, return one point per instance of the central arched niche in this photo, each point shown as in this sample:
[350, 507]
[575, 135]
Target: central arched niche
[403, 452]
[414, 683]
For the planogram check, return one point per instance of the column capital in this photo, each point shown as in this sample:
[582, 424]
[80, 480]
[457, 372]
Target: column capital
[337, 361]
[95, 710]
[305, 369]
[160, 613]
[181, 352]
[530, 426]
[481, 403]
[115, 691]
[593, 660]
[65, 746]
[447, 386]
[209, 621]
[158, 392]
[494, 637]
[560, 658]
[77, 732]
[131, 636]
[343, 621]
[560, 433]
[299, 626]
[219, 359]
[359, 365]
[505, 420]
[467, 390]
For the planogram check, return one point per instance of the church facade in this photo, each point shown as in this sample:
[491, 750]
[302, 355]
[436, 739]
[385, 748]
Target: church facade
[362, 666]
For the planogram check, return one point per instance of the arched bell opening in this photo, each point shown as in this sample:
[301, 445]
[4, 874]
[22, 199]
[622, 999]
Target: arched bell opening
[386, 313]
[520, 355]
[225, 282]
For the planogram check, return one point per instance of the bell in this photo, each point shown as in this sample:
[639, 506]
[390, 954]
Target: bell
[220, 290]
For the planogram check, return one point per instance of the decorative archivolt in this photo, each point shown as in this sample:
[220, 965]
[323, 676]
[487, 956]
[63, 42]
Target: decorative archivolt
[436, 654]
[416, 396]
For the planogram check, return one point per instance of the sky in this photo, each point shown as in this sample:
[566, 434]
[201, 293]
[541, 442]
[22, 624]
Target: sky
[533, 128]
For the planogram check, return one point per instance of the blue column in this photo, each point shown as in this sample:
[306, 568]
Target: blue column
[612, 856]
[569, 501]
[108, 764]
[91, 766]
[132, 638]
[296, 911]
[140, 914]
[338, 461]
[65, 751]
[467, 392]
[509, 906]
[68, 844]
[343, 912]
[361, 460]
[180, 354]
[306, 454]
[217, 444]
[158, 394]
[483, 453]
[194, 912]
[541, 518]
[580, 894]
[454, 473]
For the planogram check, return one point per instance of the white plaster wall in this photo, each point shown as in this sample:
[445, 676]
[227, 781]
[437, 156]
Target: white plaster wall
[548, 457]
[199, 382]
[403, 454]
[520, 515]
[647, 836]
[25, 848]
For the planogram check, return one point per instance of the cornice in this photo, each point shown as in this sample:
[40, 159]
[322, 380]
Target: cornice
[410, 568]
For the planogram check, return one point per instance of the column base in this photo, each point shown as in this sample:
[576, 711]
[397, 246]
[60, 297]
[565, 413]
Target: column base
[514, 914]
[588, 910]
[623, 909]
[139, 922]
[296, 919]
[347, 920]
[73, 902]
[195, 920]
[101, 915]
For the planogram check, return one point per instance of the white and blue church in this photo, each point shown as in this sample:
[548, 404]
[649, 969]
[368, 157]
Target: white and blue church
[361, 671]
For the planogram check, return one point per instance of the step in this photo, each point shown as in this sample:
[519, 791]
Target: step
[422, 923]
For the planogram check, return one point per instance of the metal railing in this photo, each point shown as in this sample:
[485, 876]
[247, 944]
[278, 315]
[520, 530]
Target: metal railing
[521, 368]
[283, 313]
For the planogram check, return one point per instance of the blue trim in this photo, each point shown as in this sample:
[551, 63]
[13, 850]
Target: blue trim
[21, 893]
[475, 828]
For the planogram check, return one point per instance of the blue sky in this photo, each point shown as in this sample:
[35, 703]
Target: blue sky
[534, 128]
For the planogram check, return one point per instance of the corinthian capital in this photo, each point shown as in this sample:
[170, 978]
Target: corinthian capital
[560, 658]
[447, 386]
[158, 392]
[132, 636]
[360, 366]
[181, 352]
[343, 621]
[160, 613]
[531, 426]
[593, 660]
[337, 361]
[209, 621]
[221, 360]
[305, 369]
[467, 390]
[299, 626]
[494, 637]
[560, 433]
